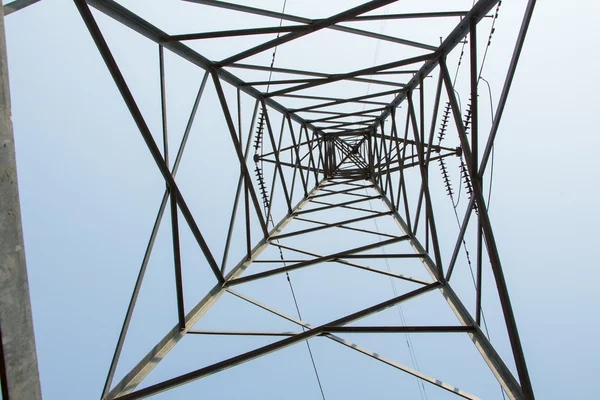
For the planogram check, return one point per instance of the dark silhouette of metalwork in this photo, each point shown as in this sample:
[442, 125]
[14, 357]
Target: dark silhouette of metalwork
[340, 161]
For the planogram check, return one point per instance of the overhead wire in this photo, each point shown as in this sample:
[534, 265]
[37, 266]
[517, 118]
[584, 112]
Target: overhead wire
[413, 356]
[376, 55]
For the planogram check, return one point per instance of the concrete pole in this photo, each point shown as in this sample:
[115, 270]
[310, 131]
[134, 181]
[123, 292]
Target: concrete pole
[18, 361]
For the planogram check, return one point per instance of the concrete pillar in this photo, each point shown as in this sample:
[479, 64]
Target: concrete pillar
[18, 361]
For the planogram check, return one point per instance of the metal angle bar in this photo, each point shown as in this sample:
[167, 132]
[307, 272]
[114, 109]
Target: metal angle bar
[278, 82]
[347, 182]
[359, 266]
[310, 28]
[358, 164]
[151, 241]
[277, 69]
[17, 5]
[346, 203]
[260, 275]
[316, 168]
[264, 350]
[277, 161]
[416, 163]
[461, 234]
[234, 32]
[479, 11]
[163, 102]
[401, 182]
[336, 99]
[288, 148]
[440, 14]
[269, 211]
[387, 162]
[432, 127]
[345, 115]
[337, 124]
[236, 144]
[241, 333]
[474, 78]
[353, 74]
[346, 207]
[146, 29]
[286, 164]
[298, 159]
[362, 350]
[349, 151]
[247, 219]
[487, 351]
[293, 18]
[177, 262]
[336, 102]
[399, 329]
[402, 72]
[345, 191]
[134, 377]
[356, 134]
[348, 227]
[385, 255]
[478, 285]
[436, 148]
[173, 196]
[328, 225]
[306, 73]
[238, 191]
[425, 182]
[306, 80]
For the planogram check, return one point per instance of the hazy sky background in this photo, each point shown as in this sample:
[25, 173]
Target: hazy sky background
[90, 191]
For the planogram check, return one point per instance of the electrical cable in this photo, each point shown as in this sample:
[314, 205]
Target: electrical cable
[411, 350]
[303, 330]
[259, 143]
[381, 30]
[487, 203]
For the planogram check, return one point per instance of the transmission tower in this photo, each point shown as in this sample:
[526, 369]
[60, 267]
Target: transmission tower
[325, 180]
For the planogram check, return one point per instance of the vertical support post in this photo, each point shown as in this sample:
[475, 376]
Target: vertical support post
[474, 156]
[174, 221]
[18, 360]
[370, 155]
[177, 261]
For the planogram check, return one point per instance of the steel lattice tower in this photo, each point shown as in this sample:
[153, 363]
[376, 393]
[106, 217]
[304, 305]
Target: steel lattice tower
[308, 166]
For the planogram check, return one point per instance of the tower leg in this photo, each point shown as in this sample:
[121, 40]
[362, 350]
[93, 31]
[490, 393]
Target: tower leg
[18, 361]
